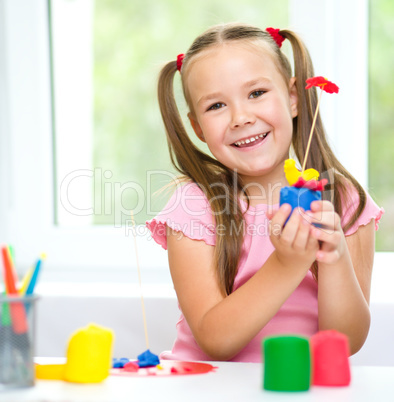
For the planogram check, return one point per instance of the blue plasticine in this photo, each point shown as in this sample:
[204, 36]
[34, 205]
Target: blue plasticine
[148, 359]
[119, 363]
[299, 197]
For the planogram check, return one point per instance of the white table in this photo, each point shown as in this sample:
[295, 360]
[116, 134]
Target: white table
[230, 382]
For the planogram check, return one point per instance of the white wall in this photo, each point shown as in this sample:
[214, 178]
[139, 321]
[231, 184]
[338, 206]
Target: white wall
[59, 316]
[65, 307]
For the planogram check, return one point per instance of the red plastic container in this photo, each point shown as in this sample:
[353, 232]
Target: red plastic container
[330, 359]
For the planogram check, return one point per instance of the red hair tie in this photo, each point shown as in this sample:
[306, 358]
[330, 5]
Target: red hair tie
[179, 61]
[276, 36]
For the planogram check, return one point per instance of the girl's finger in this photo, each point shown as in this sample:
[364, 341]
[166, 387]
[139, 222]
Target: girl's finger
[302, 236]
[328, 221]
[271, 212]
[323, 205]
[312, 244]
[316, 219]
[277, 222]
[279, 218]
[290, 231]
[330, 237]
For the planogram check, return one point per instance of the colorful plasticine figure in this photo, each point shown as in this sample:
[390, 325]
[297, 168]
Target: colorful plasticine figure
[304, 187]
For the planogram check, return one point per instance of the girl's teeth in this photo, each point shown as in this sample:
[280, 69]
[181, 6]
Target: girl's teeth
[249, 140]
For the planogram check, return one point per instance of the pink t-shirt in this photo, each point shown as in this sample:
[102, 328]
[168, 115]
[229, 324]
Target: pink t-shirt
[188, 211]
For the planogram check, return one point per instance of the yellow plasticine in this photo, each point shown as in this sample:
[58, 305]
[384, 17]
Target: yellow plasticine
[89, 355]
[159, 367]
[310, 174]
[49, 371]
[293, 174]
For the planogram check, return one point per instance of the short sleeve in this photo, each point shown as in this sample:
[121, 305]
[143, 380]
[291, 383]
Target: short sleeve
[371, 211]
[188, 211]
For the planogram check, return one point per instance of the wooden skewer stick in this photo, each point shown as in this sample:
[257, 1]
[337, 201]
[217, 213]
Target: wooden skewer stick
[139, 279]
[311, 132]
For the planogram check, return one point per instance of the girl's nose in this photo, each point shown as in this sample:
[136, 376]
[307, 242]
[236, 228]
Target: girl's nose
[242, 117]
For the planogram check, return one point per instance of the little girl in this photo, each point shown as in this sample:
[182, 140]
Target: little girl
[239, 272]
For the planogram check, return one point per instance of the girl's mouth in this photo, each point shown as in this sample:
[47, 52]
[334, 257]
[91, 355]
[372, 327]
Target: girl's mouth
[251, 141]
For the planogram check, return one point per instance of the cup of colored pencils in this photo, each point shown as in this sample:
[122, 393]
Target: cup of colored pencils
[17, 323]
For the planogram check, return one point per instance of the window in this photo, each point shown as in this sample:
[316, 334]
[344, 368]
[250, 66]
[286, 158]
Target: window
[100, 137]
[106, 111]
[381, 139]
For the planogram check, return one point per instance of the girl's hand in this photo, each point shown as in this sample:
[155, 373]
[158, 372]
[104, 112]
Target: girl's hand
[328, 231]
[293, 243]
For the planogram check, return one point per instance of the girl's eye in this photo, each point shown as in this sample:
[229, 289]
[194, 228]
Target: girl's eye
[216, 106]
[256, 94]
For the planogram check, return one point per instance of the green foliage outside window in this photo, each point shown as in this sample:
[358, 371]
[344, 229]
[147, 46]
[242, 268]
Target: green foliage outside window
[381, 116]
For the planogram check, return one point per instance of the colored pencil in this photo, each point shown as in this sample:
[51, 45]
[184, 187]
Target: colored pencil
[18, 313]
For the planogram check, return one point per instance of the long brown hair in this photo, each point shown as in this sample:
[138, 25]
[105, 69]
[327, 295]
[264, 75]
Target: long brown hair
[208, 172]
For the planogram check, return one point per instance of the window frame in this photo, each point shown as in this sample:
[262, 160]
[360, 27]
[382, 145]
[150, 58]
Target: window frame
[26, 134]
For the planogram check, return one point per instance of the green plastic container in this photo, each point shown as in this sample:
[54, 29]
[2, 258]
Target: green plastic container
[287, 363]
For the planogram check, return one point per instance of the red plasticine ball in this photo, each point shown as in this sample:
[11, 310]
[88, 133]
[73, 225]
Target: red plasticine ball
[330, 357]
[131, 367]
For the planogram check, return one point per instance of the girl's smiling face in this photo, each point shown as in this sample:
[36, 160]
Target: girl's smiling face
[243, 108]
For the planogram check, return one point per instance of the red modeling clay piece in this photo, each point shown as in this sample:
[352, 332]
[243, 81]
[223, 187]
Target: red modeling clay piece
[323, 84]
[167, 368]
[311, 184]
[131, 367]
[330, 355]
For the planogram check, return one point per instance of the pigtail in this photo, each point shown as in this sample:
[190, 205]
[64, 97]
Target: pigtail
[177, 137]
[307, 100]
[321, 157]
[213, 178]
